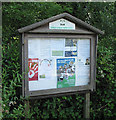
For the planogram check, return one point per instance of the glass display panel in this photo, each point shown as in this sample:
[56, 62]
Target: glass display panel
[58, 63]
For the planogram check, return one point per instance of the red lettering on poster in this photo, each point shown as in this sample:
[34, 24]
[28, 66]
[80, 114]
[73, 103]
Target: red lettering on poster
[33, 69]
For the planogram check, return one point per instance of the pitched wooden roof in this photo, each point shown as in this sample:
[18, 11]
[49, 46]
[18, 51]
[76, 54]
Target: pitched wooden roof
[63, 15]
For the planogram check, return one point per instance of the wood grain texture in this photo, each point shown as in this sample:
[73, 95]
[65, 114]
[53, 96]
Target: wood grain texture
[63, 15]
[58, 91]
[87, 106]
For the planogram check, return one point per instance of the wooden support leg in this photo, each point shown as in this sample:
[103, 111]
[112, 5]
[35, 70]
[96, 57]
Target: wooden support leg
[0, 104]
[87, 106]
[27, 109]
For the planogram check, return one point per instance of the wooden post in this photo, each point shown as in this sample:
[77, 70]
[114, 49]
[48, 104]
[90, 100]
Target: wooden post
[27, 109]
[0, 61]
[87, 106]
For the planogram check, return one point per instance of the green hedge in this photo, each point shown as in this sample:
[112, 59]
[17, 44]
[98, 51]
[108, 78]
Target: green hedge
[66, 107]
[102, 100]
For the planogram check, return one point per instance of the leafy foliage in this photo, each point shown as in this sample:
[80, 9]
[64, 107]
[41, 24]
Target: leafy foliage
[17, 15]
[104, 98]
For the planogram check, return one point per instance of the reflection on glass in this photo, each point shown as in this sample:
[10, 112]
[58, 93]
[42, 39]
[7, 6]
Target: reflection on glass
[70, 42]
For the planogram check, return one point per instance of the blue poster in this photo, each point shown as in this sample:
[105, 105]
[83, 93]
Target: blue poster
[70, 53]
[65, 72]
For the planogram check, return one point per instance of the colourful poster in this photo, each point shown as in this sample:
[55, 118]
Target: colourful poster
[65, 72]
[70, 53]
[71, 48]
[33, 69]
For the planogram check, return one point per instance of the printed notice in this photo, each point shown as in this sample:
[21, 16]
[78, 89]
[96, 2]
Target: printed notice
[83, 63]
[45, 69]
[70, 53]
[71, 48]
[33, 69]
[65, 72]
[57, 53]
[45, 47]
[57, 47]
[58, 63]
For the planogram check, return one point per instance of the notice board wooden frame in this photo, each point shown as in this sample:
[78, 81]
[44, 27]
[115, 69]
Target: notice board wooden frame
[57, 91]
[41, 30]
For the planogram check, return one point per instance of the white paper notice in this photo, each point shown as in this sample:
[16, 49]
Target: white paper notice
[41, 49]
[46, 50]
[57, 47]
[45, 69]
[33, 48]
[83, 63]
